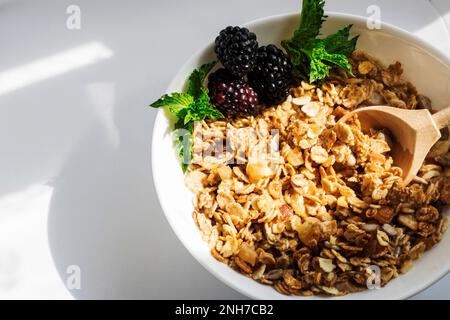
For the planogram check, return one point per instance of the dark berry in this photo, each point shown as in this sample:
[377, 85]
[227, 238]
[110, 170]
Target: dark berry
[271, 76]
[231, 95]
[236, 49]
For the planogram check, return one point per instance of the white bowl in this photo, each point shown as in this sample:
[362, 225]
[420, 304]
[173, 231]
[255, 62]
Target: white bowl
[426, 67]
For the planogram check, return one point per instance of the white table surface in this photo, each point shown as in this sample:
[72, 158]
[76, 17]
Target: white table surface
[75, 181]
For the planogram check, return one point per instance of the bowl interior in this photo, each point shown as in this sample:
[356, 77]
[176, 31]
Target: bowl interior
[423, 65]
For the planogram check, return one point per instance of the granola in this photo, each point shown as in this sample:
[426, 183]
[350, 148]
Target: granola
[314, 214]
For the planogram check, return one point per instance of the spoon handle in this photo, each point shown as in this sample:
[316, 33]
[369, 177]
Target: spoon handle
[442, 118]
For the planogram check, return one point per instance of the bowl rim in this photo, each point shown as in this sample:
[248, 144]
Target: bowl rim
[437, 54]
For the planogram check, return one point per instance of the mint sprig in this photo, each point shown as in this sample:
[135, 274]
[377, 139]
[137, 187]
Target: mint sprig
[311, 18]
[175, 101]
[321, 61]
[313, 57]
[189, 107]
[340, 42]
[196, 79]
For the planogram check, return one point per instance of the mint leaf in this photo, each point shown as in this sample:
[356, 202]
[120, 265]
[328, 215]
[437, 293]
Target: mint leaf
[197, 77]
[311, 19]
[205, 109]
[202, 109]
[340, 42]
[175, 101]
[194, 105]
[190, 116]
[183, 145]
[312, 57]
[321, 61]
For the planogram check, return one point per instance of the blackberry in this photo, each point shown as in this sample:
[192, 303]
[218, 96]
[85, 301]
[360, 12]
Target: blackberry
[271, 76]
[236, 49]
[220, 76]
[231, 95]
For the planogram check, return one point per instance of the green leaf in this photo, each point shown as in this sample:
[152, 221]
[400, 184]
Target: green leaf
[339, 42]
[319, 71]
[175, 101]
[312, 57]
[190, 116]
[321, 61]
[206, 109]
[197, 77]
[311, 19]
[184, 167]
[194, 105]
[183, 145]
[201, 112]
[202, 109]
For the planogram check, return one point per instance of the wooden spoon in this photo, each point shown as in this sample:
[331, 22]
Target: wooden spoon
[414, 132]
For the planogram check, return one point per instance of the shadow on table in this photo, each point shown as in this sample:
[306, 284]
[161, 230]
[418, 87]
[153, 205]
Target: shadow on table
[105, 218]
